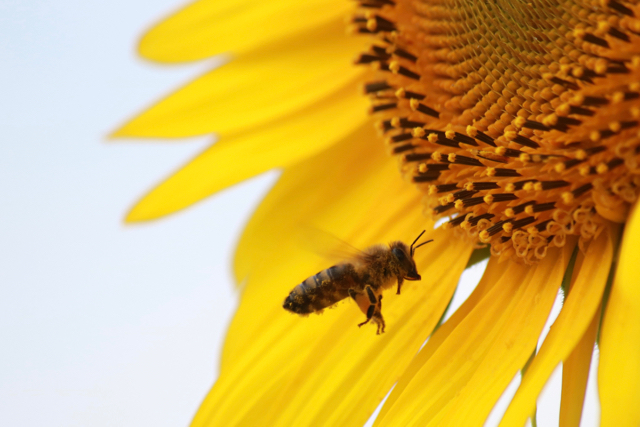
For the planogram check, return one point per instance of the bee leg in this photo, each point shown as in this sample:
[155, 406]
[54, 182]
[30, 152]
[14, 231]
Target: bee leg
[400, 281]
[358, 298]
[373, 308]
[377, 316]
[366, 301]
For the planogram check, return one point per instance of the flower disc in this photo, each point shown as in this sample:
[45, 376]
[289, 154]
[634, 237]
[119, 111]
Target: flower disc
[519, 123]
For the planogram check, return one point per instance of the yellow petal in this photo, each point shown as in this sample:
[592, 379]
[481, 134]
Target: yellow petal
[490, 278]
[575, 373]
[281, 369]
[208, 27]
[468, 372]
[233, 160]
[256, 89]
[577, 312]
[619, 371]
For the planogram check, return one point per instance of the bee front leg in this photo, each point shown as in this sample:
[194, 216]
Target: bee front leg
[400, 281]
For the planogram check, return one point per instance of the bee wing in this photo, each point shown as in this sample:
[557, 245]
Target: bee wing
[326, 245]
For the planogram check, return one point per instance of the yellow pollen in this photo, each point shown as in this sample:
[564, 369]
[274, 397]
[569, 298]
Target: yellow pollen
[603, 28]
[614, 126]
[577, 72]
[418, 132]
[577, 100]
[617, 97]
[567, 198]
[510, 135]
[563, 110]
[601, 66]
[602, 168]
[540, 122]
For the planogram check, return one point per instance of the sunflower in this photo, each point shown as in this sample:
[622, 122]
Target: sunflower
[514, 124]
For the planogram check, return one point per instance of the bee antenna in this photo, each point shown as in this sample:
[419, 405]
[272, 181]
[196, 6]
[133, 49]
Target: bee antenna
[421, 244]
[414, 242]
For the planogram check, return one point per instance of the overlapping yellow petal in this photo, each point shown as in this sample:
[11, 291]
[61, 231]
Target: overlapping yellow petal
[256, 89]
[619, 372]
[288, 100]
[233, 160]
[577, 312]
[209, 27]
[281, 369]
[575, 373]
[468, 372]
[491, 276]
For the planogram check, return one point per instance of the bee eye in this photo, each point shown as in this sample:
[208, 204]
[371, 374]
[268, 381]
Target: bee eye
[399, 254]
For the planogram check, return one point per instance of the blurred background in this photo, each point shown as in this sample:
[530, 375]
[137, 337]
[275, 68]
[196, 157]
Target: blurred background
[102, 323]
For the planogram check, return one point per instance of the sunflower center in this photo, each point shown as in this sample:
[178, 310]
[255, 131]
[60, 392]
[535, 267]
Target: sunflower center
[518, 119]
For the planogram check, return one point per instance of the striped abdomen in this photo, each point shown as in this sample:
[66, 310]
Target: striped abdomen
[322, 290]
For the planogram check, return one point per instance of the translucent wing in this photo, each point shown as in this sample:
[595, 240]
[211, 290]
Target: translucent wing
[326, 245]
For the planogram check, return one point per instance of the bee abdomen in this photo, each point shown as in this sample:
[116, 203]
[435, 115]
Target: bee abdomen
[321, 290]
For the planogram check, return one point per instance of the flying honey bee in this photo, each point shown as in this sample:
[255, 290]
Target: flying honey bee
[362, 278]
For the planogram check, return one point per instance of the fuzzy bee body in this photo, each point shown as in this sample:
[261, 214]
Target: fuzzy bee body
[363, 278]
[322, 290]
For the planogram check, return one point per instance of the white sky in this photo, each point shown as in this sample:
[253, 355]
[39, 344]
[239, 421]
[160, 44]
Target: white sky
[102, 324]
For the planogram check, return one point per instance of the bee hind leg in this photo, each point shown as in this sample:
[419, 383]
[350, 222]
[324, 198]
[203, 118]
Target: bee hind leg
[371, 306]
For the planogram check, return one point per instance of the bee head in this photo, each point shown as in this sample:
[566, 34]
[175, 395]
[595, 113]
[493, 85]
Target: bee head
[404, 255]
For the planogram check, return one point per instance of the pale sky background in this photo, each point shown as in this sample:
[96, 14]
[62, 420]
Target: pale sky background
[103, 324]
